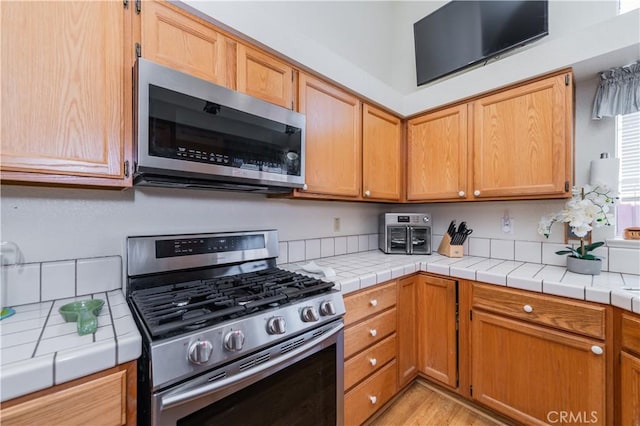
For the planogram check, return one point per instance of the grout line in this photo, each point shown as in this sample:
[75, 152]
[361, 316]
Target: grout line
[35, 349]
[40, 280]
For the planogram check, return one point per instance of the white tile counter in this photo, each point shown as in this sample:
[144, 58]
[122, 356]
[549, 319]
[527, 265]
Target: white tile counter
[39, 349]
[364, 269]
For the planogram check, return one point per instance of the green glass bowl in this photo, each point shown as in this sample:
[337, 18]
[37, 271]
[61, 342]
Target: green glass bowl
[71, 310]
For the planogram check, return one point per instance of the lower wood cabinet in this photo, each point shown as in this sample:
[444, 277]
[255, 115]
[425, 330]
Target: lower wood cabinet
[106, 398]
[407, 330]
[365, 399]
[535, 358]
[629, 389]
[437, 329]
[533, 373]
[370, 350]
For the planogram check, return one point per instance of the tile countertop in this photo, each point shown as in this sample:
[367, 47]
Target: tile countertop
[361, 270]
[39, 349]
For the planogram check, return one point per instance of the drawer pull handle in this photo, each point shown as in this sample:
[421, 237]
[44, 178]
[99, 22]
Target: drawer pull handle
[528, 308]
[461, 194]
[374, 302]
[373, 362]
[373, 332]
[597, 350]
[373, 399]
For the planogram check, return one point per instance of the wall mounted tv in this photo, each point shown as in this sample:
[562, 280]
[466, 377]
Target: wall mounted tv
[463, 33]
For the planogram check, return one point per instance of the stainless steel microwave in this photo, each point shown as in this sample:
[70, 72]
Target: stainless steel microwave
[192, 133]
[405, 233]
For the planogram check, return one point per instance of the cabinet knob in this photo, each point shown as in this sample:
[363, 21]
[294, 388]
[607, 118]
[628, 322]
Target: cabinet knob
[374, 302]
[527, 308]
[476, 192]
[367, 193]
[305, 187]
[373, 361]
[373, 399]
[597, 350]
[373, 332]
[461, 194]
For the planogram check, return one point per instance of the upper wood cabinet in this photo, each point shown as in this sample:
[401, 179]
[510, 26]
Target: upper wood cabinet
[522, 140]
[517, 143]
[264, 77]
[437, 155]
[333, 145]
[171, 36]
[381, 155]
[66, 92]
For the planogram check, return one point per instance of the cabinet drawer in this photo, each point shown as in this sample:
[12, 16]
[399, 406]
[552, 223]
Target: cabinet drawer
[574, 316]
[631, 332]
[366, 398]
[99, 402]
[369, 302]
[368, 332]
[368, 361]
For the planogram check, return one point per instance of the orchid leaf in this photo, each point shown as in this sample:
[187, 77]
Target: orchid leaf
[566, 252]
[593, 246]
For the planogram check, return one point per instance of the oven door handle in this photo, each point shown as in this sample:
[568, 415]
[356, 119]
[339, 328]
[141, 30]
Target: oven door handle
[180, 397]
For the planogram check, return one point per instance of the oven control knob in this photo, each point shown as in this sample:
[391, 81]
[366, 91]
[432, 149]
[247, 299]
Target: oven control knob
[326, 308]
[234, 340]
[276, 325]
[200, 352]
[310, 314]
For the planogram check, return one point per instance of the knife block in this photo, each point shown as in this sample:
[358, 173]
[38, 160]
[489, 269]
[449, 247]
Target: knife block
[446, 249]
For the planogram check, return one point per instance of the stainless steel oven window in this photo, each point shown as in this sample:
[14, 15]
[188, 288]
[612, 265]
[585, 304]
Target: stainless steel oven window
[420, 240]
[303, 386]
[397, 239]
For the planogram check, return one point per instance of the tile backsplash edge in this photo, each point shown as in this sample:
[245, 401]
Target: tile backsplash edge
[302, 250]
[44, 281]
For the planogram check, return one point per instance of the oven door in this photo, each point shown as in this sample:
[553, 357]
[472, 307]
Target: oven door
[299, 381]
[420, 240]
[397, 239]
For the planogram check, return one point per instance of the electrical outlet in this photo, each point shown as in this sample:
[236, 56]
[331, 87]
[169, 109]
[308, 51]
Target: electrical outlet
[507, 225]
[336, 224]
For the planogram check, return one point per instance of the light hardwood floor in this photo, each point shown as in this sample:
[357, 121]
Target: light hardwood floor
[424, 405]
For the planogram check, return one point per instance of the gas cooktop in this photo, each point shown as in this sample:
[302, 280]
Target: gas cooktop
[185, 306]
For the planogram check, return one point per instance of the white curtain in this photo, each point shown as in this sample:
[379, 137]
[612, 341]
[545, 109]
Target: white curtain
[618, 92]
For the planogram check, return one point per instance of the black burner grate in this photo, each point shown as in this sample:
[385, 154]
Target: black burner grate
[175, 308]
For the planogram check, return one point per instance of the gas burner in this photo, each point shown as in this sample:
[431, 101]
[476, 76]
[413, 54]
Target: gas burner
[168, 309]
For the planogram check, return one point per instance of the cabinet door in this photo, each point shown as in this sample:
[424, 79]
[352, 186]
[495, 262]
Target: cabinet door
[437, 155]
[172, 37]
[66, 92]
[534, 374]
[437, 335]
[333, 145]
[101, 401]
[407, 331]
[630, 389]
[381, 154]
[522, 140]
[264, 77]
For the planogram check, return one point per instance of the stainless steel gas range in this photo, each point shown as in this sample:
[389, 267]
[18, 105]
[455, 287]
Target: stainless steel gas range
[229, 338]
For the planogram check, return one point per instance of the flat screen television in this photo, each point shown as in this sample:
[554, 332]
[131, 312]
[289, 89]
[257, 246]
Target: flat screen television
[463, 33]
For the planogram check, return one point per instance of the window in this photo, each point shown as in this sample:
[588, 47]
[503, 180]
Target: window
[627, 5]
[628, 150]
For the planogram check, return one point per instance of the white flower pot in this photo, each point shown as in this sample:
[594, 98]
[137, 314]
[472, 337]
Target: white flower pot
[584, 266]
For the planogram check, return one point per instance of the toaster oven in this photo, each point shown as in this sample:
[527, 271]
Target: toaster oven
[405, 233]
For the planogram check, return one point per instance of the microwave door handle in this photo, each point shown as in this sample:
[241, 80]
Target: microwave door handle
[410, 239]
